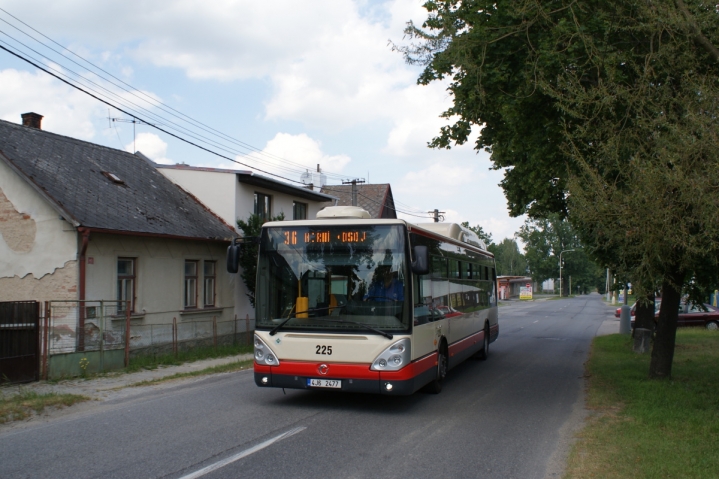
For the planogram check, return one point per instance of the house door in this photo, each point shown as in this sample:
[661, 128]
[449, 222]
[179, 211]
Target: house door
[19, 344]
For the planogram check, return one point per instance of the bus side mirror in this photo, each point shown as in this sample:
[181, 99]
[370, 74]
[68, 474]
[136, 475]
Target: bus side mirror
[233, 256]
[420, 265]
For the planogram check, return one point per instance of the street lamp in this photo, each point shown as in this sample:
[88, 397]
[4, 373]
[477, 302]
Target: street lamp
[560, 269]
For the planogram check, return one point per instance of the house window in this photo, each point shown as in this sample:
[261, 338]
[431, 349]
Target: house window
[190, 284]
[125, 284]
[209, 275]
[299, 210]
[263, 206]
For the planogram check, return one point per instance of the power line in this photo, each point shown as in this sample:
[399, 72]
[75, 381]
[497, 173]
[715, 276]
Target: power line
[258, 154]
[138, 118]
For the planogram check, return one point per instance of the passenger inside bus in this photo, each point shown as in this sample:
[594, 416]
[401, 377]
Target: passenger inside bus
[386, 286]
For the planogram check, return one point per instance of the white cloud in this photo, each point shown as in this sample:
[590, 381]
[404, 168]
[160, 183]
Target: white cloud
[441, 179]
[152, 146]
[289, 156]
[66, 111]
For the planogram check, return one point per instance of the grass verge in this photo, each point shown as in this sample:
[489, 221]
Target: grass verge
[209, 352]
[222, 368]
[23, 404]
[648, 428]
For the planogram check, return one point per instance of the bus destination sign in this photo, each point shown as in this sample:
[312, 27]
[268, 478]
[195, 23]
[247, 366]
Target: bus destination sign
[293, 237]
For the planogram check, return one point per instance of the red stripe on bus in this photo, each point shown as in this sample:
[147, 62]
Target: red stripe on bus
[465, 343]
[334, 370]
[413, 369]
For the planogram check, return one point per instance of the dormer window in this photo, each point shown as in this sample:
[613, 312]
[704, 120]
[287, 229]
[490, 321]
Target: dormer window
[113, 177]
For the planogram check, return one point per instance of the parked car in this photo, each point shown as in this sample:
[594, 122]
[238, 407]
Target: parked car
[689, 315]
[657, 304]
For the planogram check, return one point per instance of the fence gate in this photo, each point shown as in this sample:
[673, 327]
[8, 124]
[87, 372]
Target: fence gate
[19, 333]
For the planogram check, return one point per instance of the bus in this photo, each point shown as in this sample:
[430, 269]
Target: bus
[354, 304]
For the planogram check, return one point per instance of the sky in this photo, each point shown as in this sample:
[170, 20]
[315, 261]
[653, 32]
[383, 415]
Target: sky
[289, 84]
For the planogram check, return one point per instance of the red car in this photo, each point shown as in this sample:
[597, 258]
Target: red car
[657, 304]
[689, 315]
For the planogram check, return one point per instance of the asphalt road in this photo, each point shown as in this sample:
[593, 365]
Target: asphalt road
[508, 417]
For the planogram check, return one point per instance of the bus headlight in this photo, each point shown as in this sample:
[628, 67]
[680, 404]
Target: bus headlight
[264, 355]
[395, 357]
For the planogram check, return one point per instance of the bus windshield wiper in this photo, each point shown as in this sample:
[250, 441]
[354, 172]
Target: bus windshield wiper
[369, 328]
[274, 330]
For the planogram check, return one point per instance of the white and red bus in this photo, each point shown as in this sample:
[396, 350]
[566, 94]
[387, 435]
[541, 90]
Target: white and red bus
[369, 305]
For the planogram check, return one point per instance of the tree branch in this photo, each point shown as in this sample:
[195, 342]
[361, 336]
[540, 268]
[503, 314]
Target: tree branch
[698, 35]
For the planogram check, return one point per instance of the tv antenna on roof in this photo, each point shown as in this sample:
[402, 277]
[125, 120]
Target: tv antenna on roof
[134, 122]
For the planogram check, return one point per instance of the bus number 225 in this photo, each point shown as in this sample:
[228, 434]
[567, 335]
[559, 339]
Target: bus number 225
[324, 350]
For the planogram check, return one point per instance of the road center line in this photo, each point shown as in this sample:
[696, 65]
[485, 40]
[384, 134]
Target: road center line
[240, 455]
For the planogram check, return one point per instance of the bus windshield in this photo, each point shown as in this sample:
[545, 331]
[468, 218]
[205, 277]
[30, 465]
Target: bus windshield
[338, 277]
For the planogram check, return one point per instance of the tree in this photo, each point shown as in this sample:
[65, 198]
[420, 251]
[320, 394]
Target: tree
[248, 254]
[508, 259]
[545, 240]
[600, 111]
[486, 237]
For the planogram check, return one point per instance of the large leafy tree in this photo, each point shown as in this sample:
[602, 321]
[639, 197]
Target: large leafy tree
[545, 239]
[508, 259]
[602, 111]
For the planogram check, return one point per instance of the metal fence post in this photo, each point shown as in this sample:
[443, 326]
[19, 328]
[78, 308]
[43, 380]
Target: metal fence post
[214, 331]
[174, 335]
[127, 333]
[46, 340]
[247, 329]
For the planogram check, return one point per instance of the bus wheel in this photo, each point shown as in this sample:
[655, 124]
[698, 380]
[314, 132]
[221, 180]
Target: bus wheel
[483, 353]
[435, 387]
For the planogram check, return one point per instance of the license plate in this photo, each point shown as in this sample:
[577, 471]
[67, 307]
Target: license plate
[324, 383]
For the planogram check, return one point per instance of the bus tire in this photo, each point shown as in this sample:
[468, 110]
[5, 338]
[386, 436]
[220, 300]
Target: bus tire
[435, 387]
[483, 353]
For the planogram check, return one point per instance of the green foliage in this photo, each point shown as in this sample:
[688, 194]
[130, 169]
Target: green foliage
[648, 429]
[486, 237]
[508, 259]
[601, 111]
[139, 363]
[248, 254]
[544, 241]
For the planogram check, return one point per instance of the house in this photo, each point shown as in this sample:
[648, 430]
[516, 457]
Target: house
[236, 194]
[377, 199]
[83, 222]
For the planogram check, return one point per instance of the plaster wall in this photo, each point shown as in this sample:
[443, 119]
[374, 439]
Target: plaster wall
[38, 249]
[159, 276]
[214, 189]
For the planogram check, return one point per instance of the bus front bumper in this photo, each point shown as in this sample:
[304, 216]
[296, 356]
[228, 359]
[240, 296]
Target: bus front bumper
[354, 377]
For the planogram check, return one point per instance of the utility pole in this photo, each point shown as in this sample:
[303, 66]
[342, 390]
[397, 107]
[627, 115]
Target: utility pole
[560, 271]
[437, 215]
[354, 188]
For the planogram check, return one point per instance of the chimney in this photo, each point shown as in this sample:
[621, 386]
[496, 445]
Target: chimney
[32, 120]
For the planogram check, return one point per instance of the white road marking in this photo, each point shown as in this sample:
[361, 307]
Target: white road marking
[240, 455]
[536, 321]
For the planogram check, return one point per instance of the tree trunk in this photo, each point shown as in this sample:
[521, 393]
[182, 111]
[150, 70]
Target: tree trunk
[663, 350]
[643, 324]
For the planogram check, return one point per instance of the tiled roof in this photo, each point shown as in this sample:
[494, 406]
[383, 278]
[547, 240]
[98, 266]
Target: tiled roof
[376, 199]
[104, 188]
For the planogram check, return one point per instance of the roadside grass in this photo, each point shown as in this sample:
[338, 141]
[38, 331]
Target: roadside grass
[22, 405]
[646, 428]
[169, 359]
[222, 368]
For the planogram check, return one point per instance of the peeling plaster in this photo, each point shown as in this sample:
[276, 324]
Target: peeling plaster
[34, 240]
